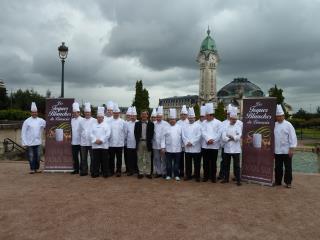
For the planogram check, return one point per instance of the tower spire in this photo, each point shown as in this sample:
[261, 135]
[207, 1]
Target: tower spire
[208, 31]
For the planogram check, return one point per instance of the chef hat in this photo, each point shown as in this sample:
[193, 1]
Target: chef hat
[116, 108]
[233, 111]
[34, 107]
[160, 111]
[100, 112]
[203, 111]
[184, 109]
[133, 111]
[209, 108]
[229, 108]
[129, 111]
[191, 112]
[87, 107]
[154, 112]
[75, 107]
[172, 113]
[279, 111]
[110, 105]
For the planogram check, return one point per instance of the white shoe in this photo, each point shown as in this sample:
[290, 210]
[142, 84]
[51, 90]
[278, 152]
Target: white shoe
[177, 178]
[168, 178]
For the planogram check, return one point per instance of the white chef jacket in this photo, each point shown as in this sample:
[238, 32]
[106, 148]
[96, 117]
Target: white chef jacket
[191, 133]
[118, 132]
[76, 134]
[102, 132]
[172, 139]
[211, 130]
[131, 140]
[284, 137]
[182, 124]
[235, 131]
[85, 130]
[31, 133]
[159, 130]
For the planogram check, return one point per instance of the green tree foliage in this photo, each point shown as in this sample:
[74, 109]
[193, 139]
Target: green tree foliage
[278, 93]
[14, 114]
[4, 100]
[22, 100]
[141, 98]
[196, 109]
[220, 112]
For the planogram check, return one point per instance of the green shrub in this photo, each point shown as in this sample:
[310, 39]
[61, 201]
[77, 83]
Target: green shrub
[14, 114]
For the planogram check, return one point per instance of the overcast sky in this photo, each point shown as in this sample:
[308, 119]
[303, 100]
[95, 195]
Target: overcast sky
[114, 43]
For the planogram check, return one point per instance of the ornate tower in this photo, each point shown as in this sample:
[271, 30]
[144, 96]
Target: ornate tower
[208, 59]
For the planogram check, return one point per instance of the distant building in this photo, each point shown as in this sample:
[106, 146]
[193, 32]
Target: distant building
[2, 85]
[177, 102]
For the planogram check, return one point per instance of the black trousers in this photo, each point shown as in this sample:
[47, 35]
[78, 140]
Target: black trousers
[115, 152]
[75, 157]
[125, 157]
[222, 164]
[100, 162]
[236, 165]
[210, 163]
[181, 164]
[196, 158]
[131, 160]
[84, 159]
[280, 160]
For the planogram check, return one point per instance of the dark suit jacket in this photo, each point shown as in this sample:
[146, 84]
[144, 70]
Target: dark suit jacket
[150, 132]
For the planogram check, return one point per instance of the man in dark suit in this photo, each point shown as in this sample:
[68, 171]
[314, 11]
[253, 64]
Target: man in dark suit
[143, 132]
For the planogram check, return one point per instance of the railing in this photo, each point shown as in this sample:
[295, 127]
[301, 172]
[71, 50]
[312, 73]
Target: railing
[10, 145]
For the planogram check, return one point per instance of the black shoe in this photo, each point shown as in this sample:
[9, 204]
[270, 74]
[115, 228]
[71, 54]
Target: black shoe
[197, 179]
[187, 178]
[234, 179]
[157, 175]
[149, 176]
[224, 181]
[213, 180]
[220, 178]
[94, 176]
[205, 180]
[288, 186]
[129, 174]
[140, 176]
[83, 174]
[75, 172]
[239, 183]
[118, 174]
[277, 184]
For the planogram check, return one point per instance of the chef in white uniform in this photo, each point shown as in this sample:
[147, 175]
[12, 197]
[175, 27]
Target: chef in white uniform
[285, 140]
[31, 137]
[191, 136]
[159, 160]
[131, 143]
[171, 144]
[75, 141]
[85, 139]
[109, 111]
[211, 134]
[100, 134]
[183, 122]
[231, 137]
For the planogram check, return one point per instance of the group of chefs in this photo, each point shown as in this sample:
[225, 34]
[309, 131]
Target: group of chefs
[153, 147]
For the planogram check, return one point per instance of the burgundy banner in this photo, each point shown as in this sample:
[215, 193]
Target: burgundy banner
[258, 141]
[58, 155]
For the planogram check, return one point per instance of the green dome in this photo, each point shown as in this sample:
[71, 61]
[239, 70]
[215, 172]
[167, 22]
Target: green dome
[208, 44]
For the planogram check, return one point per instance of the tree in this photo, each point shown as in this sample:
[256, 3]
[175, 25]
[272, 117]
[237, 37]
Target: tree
[141, 98]
[196, 109]
[4, 100]
[220, 113]
[318, 110]
[48, 94]
[278, 93]
[22, 100]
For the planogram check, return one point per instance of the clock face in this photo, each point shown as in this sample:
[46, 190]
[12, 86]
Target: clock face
[212, 58]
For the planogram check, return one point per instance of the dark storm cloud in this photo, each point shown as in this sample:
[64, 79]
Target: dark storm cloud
[114, 43]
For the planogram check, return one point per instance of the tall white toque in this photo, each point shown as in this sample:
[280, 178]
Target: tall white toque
[279, 111]
[110, 105]
[116, 108]
[87, 107]
[34, 107]
[160, 111]
[203, 111]
[184, 109]
[100, 112]
[154, 112]
[191, 112]
[134, 111]
[172, 113]
[209, 108]
[233, 113]
[75, 107]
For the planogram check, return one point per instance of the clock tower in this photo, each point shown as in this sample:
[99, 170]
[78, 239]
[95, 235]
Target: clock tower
[208, 59]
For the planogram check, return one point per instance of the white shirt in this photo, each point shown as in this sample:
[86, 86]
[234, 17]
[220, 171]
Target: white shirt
[85, 130]
[235, 131]
[172, 139]
[183, 124]
[118, 132]
[131, 140]
[76, 135]
[159, 130]
[31, 133]
[191, 133]
[284, 137]
[211, 130]
[102, 132]
[203, 142]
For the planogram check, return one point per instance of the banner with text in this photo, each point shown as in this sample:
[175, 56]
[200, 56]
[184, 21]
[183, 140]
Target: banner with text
[258, 140]
[58, 155]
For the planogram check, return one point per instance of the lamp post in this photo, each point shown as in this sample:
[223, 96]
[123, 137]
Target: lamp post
[63, 53]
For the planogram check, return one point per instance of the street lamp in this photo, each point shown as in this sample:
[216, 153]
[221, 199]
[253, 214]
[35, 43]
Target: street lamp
[63, 53]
